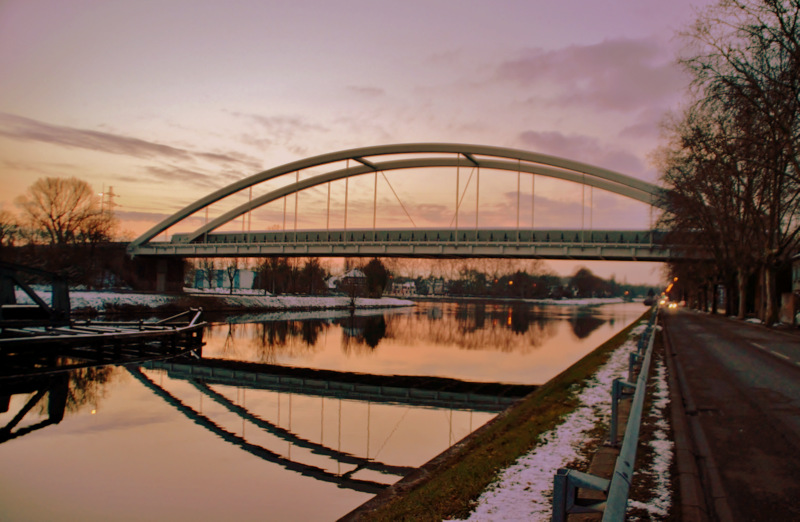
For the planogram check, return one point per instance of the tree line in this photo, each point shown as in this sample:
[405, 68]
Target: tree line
[60, 225]
[731, 158]
[521, 284]
[285, 275]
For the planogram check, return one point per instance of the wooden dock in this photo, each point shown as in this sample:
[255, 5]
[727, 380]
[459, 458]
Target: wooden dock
[42, 338]
[42, 349]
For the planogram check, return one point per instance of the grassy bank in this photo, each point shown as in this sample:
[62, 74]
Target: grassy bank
[446, 486]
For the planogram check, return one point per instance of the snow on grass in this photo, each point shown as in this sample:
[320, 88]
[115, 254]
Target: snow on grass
[305, 301]
[102, 301]
[302, 315]
[524, 490]
[663, 449]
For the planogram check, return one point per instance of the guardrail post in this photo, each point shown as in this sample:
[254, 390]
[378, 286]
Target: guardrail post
[618, 386]
[623, 470]
[566, 482]
[633, 360]
[565, 493]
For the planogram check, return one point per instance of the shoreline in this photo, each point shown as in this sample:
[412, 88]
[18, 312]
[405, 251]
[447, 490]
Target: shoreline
[447, 487]
[90, 303]
[87, 303]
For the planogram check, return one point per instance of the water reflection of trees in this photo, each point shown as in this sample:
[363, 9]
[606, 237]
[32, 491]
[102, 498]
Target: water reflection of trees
[473, 326]
[584, 324]
[265, 341]
[477, 326]
[87, 386]
[65, 392]
[362, 334]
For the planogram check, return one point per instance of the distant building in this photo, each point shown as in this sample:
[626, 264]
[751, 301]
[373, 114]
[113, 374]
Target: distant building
[242, 279]
[352, 282]
[407, 288]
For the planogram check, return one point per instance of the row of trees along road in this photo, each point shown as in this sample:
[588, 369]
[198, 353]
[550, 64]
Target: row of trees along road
[731, 161]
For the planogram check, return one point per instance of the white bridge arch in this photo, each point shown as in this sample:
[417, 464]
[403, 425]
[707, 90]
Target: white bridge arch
[204, 242]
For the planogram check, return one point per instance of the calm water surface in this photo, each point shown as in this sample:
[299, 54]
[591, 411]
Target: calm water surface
[144, 443]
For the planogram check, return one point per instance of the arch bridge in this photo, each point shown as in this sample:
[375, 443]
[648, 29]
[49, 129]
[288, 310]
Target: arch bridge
[458, 239]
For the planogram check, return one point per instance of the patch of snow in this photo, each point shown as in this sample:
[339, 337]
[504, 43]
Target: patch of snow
[101, 301]
[225, 291]
[753, 320]
[663, 448]
[524, 490]
[576, 301]
[299, 315]
[306, 301]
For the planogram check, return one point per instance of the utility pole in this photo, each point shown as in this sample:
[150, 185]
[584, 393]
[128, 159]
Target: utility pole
[109, 196]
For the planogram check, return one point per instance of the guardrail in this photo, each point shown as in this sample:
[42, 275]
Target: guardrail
[567, 482]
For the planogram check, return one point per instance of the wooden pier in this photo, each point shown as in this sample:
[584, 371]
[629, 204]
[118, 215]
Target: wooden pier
[42, 338]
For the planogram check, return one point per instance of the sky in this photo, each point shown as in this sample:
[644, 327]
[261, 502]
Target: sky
[167, 101]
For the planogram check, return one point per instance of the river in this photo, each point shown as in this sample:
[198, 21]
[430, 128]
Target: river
[160, 441]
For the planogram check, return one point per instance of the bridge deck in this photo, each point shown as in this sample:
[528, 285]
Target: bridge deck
[423, 391]
[641, 245]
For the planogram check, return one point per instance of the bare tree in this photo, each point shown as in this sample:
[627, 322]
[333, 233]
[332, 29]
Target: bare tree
[209, 268]
[66, 210]
[744, 56]
[710, 202]
[9, 229]
[231, 271]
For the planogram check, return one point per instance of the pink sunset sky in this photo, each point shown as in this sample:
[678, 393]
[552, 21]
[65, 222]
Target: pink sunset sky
[167, 101]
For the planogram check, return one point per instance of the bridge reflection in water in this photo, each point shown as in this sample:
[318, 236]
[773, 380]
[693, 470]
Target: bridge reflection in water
[316, 459]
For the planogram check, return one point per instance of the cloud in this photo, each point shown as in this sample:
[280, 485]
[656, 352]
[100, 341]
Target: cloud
[154, 217]
[285, 126]
[291, 133]
[366, 92]
[26, 129]
[583, 148]
[176, 173]
[622, 75]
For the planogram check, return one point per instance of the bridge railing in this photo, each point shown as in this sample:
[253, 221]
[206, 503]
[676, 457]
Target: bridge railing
[567, 482]
[432, 236]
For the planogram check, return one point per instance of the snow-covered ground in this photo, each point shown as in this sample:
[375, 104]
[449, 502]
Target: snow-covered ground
[102, 301]
[79, 299]
[301, 301]
[578, 301]
[663, 448]
[524, 490]
[108, 300]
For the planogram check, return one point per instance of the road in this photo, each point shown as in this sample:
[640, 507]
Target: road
[741, 392]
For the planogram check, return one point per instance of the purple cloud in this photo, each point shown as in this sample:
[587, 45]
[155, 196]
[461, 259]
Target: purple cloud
[582, 148]
[620, 75]
[366, 92]
[26, 129]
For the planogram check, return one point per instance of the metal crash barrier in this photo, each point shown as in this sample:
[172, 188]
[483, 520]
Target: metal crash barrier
[567, 483]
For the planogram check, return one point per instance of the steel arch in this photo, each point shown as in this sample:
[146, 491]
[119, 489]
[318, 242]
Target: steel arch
[496, 158]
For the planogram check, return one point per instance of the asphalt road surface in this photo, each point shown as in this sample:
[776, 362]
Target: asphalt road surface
[741, 387]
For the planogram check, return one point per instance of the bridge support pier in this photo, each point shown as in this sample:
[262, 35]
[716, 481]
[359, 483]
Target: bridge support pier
[159, 274]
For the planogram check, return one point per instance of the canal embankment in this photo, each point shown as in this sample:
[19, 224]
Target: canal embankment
[96, 302]
[505, 469]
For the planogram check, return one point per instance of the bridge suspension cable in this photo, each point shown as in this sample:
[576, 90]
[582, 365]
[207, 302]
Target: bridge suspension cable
[423, 155]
